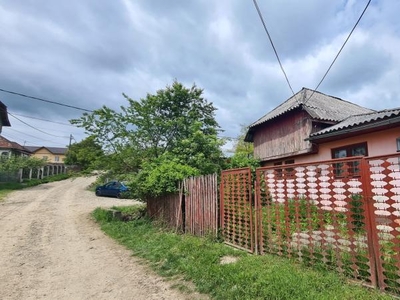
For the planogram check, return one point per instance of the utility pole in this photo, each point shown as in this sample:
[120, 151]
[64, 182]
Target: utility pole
[70, 139]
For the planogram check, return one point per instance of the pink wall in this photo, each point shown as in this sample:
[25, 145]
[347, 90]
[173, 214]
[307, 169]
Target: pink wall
[378, 143]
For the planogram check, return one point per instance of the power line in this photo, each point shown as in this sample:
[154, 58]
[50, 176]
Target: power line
[10, 136]
[15, 138]
[44, 100]
[337, 55]
[272, 44]
[40, 119]
[30, 135]
[34, 127]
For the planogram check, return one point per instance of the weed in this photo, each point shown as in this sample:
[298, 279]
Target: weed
[251, 277]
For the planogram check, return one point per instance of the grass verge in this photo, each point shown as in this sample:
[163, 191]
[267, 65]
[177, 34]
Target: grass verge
[198, 260]
[6, 188]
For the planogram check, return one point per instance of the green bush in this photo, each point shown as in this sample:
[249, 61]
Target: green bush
[161, 177]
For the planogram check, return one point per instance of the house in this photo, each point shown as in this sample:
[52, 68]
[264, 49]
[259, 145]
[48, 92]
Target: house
[51, 154]
[8, 148]
[3, 116]
[311, 126]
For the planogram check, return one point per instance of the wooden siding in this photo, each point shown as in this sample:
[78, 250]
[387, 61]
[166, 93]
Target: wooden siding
[201, 205]
[194, 210]
[283, 137]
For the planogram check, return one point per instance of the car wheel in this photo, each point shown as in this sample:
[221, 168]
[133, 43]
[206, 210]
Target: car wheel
[119, 195]
[98, 193]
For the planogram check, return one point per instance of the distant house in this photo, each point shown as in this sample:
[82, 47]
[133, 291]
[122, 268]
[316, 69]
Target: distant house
[3, 116]
[51, 154]
[8, 148]
[312, 126]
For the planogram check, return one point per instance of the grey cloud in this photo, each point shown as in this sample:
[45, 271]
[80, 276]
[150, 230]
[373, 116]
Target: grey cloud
[359, 65]
[86, 53]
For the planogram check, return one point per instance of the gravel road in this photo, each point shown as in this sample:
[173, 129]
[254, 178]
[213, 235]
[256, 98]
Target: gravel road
[50, 248]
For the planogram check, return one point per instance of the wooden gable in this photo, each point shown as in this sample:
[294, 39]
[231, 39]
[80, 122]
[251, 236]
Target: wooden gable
[284, 136]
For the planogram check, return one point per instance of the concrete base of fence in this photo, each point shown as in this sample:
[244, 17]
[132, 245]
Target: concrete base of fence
[116, 214]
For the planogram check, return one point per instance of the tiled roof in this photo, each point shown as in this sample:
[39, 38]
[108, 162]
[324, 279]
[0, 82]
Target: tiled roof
[54, 150]
[7, 144]
[31, 148]
[359, 120]
[57, 150]
[319, 106]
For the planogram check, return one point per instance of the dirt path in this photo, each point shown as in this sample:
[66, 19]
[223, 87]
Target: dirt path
[51, 249]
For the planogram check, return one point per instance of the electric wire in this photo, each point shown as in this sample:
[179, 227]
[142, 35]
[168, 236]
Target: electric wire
[40, 119]
[32, 136]
[341, 48]
[44, 100]
[10, 137]
[34, 127]
[272, 44]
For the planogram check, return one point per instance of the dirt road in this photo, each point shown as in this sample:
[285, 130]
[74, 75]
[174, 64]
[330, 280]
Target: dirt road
[50, 248]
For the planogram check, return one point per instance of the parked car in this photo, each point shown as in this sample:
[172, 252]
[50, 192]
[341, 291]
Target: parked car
[112, 189]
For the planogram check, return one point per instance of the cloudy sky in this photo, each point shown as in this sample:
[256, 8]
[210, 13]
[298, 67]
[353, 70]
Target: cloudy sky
[87, 53]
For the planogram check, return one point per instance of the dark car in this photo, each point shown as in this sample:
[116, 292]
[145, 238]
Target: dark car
[112, 189]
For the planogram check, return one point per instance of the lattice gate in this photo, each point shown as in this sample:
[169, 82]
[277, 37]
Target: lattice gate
[236, 209]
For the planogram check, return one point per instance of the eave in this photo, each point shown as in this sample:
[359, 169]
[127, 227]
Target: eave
[356, 130]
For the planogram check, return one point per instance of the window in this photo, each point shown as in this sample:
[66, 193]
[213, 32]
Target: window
[398, 144]
[44, 157]
[287, 171]
[4, 155]
[56, 158]
[351, 168]
[350, 150]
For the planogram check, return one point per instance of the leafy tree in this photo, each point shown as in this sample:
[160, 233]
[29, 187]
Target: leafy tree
[243, 153]
[174, 124]
[162, 121]
[87, 154]
[240, 145]
[14, 163]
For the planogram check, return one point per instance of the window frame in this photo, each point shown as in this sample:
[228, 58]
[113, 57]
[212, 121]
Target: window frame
[280, 172]
[352, 167]
[348, 149]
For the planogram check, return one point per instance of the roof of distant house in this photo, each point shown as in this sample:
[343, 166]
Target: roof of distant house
[360, 122]
[53, 150]
[319, 106]
[4, 115]
[7, 144]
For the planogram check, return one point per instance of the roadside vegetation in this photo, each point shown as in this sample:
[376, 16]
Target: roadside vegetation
[155, 142]
[195, 260]
[6, 188]
[152, 144]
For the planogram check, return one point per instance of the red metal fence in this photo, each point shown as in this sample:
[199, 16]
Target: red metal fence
[383, 194]
[236, 209]
[341, 214]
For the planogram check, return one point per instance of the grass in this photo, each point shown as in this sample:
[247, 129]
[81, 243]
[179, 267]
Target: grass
[197, 260]
[8, 187]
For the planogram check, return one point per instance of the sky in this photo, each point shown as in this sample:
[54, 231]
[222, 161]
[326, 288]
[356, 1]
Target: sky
[87, 53]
